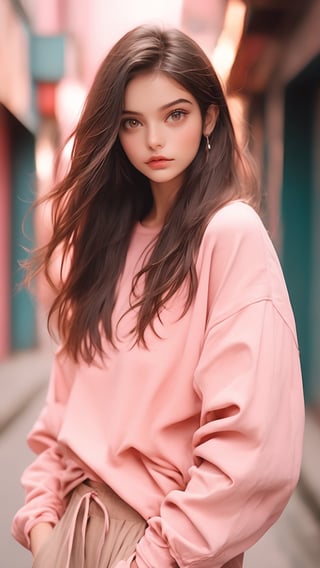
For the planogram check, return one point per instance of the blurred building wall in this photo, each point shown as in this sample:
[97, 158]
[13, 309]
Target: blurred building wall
[5, 229]
[15, 85]
[277, 71]
[17, 314]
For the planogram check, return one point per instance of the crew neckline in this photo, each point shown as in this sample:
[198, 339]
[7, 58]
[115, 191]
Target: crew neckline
[147, 230]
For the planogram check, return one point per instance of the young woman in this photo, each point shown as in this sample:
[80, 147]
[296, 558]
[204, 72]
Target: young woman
[173, 426]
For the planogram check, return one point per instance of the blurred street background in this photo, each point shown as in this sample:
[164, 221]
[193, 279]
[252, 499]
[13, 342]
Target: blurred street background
[267, 53]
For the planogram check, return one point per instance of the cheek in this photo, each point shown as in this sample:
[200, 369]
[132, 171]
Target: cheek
[191, 139]
[130, 143]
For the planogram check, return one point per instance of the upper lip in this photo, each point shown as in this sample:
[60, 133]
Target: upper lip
[157, 159]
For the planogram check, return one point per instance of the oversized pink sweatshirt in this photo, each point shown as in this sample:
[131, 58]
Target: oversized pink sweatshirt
[202, 432]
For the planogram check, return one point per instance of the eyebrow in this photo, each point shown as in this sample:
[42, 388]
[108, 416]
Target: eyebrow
[164, 107]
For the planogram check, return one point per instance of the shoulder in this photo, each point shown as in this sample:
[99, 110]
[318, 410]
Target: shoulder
[236, 243]
[235, 217]
[243, 265]
[234, 227]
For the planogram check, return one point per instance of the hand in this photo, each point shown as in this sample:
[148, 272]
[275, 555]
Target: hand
[134, 564]
[38, 535]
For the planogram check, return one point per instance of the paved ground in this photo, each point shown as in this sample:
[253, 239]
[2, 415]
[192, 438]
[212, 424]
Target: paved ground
[14, 457]
[294, 542]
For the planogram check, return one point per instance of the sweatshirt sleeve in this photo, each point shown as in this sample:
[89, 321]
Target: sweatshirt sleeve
[247, 449]
[42, 480]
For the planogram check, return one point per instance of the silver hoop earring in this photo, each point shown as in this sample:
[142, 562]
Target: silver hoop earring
[208, 143]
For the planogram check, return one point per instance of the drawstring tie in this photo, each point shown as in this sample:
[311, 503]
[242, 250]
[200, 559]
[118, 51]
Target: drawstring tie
[85, 503]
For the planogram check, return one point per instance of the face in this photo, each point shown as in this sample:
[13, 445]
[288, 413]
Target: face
[161, 128]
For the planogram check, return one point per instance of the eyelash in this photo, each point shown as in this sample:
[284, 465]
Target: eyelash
[127, 123]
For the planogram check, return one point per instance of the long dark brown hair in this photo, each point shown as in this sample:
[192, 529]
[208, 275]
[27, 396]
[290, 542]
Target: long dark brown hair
[102, 196]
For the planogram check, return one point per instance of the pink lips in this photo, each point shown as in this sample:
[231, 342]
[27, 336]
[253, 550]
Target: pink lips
[158, 162]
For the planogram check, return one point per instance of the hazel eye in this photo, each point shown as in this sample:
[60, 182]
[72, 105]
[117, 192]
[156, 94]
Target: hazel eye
[130, 123]
[177, 115]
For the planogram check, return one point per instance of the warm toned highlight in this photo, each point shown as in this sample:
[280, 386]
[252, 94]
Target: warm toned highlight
[101, 198]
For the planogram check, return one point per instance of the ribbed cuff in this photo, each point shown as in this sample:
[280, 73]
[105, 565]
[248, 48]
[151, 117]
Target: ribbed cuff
[151, 551]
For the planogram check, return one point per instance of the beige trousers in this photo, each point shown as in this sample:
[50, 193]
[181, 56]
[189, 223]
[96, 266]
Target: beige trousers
[97, 530]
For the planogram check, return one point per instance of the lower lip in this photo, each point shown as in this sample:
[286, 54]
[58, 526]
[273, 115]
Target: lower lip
[158, 164]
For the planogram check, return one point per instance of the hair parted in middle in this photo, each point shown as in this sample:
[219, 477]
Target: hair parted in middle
[102, 196]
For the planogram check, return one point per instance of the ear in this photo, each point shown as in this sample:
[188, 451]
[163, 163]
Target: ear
[210, 120]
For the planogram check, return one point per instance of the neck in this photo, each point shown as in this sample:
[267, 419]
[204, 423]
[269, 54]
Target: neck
[163, 197]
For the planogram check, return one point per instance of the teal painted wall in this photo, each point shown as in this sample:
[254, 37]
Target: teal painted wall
[23, 314]
[315, 284]
[297, 209]
[5, 237]
[47, 57]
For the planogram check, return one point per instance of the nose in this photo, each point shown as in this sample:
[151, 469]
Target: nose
[155, 137]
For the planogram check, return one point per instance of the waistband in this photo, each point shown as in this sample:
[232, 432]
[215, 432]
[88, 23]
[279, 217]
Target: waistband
[117, 508]
[93, 497]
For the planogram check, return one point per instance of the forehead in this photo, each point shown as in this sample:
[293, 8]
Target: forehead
[153, 90]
